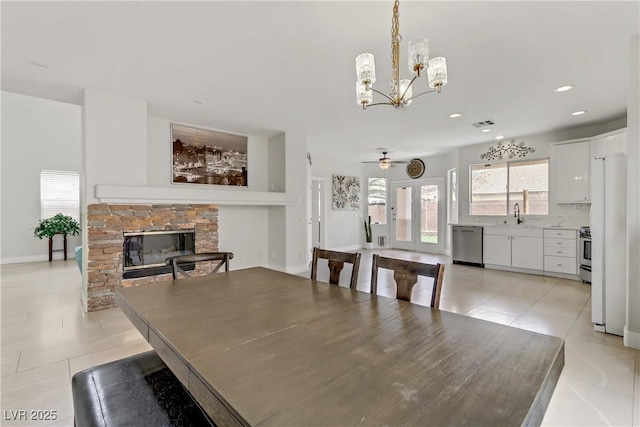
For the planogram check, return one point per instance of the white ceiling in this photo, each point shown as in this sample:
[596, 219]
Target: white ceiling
[266, 67]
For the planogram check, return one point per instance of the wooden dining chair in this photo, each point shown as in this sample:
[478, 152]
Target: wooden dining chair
[406, 276]
[336, 264]
[209, 257]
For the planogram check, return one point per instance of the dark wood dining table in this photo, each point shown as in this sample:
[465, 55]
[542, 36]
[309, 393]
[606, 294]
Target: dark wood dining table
[262, 347]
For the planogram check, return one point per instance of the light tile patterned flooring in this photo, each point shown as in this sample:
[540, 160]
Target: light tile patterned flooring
[46, 337]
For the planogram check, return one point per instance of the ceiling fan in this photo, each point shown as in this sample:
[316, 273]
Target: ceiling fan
[384, 162]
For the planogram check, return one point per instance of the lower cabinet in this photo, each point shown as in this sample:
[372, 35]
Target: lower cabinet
[509, 247]
[560, 254]
[526, 252]
[496, 250]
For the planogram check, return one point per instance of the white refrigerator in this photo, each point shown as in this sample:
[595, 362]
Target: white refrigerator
[608, 218]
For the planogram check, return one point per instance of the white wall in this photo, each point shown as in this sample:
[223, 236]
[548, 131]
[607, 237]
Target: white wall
[632, 326]
[297, 177]
[36, 134]
[243, 230]
[344, 229]
[277, 215]
[114, 146]
[276, 161]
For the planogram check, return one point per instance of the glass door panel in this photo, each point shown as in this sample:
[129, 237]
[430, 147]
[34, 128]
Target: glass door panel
[403, 214]
[429, 214]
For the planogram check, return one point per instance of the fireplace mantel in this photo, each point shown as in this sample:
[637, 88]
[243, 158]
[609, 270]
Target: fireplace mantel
[185, 194]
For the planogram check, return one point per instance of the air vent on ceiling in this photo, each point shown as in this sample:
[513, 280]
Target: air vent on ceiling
[483, 124]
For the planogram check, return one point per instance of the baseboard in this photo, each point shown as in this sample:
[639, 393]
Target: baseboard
[349, 248]
[631, 339]
[276, 267]
[297, 269]
[514, 269]
[535, 272]
[35, 258]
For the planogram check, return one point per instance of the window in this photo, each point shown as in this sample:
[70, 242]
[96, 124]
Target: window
[377, 191]
[59, 193]
[453, 196]
[497, 187]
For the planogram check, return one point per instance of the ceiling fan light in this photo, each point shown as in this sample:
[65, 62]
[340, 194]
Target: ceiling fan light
[363, 96]
[365, 68]
[437, 72]
[418, 55]
[384, 164]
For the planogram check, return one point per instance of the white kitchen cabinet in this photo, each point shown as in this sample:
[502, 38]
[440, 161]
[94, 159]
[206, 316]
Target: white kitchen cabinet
[560, 251]
[513, 247]
[527, 252]
[570, 172]
[610, 143]
[496, 250]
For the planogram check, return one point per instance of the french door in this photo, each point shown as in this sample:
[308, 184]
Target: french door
[417, 215]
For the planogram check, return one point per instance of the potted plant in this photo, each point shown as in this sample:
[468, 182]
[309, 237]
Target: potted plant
[367, 233]
[57, 224]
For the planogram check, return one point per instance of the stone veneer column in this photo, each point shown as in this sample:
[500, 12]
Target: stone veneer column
[106, 225]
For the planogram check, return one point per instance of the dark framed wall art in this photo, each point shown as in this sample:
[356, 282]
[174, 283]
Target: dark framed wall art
[203, 156]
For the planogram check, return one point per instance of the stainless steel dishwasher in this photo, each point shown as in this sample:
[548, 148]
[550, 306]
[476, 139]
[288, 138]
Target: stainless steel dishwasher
[467, 245]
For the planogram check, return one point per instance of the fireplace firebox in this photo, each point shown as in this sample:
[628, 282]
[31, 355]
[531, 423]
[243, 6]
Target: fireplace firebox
[144, 252]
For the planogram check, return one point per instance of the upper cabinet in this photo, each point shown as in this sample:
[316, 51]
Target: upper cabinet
[570, 172]
[610, 143]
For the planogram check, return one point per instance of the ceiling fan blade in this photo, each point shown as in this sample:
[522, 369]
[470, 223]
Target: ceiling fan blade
[372, 161]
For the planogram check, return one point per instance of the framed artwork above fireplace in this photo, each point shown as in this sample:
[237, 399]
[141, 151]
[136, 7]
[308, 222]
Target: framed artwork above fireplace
[204, 156]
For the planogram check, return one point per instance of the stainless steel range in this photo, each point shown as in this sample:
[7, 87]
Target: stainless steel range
[585, 254]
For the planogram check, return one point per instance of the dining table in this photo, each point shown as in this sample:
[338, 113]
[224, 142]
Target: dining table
[260, 347]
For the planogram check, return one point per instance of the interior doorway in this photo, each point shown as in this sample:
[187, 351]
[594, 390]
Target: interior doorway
[317, 218]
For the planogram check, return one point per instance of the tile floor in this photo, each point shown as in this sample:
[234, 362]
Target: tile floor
[46, 337]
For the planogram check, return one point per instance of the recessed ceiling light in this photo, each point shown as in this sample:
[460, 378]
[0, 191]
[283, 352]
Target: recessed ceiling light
[455, 115]
[485, 130]
[578, 113]
[563, 88]
[499, 137]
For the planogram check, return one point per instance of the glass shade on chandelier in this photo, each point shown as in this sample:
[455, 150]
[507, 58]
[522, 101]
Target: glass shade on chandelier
[366, 68]
[364, 96]
[406, 92]
[418, 55]
[437, 72]
[401, 94]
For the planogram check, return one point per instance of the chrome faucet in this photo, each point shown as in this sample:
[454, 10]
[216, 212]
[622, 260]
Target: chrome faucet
[516, 213]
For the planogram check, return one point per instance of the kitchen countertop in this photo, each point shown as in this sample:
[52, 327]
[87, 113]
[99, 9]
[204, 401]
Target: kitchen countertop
[523, 225]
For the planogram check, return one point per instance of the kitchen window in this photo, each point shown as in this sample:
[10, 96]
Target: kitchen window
[497, 187]
[377, 192]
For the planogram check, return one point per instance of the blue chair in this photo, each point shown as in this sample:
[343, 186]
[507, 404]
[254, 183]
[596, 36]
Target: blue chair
[78, 252]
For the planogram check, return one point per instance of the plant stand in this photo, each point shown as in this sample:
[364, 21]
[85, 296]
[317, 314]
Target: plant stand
[51, 250]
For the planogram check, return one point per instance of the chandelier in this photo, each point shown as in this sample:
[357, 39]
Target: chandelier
[401, 93]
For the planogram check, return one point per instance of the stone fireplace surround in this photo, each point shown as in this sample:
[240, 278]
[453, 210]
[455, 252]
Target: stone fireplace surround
[106, 224]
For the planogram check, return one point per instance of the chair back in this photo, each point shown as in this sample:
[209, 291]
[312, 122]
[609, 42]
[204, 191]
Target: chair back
[336, 264]
[406, 276]
[176, 261]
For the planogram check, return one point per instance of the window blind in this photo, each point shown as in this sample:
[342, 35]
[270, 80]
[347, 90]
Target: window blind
[59, 193]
